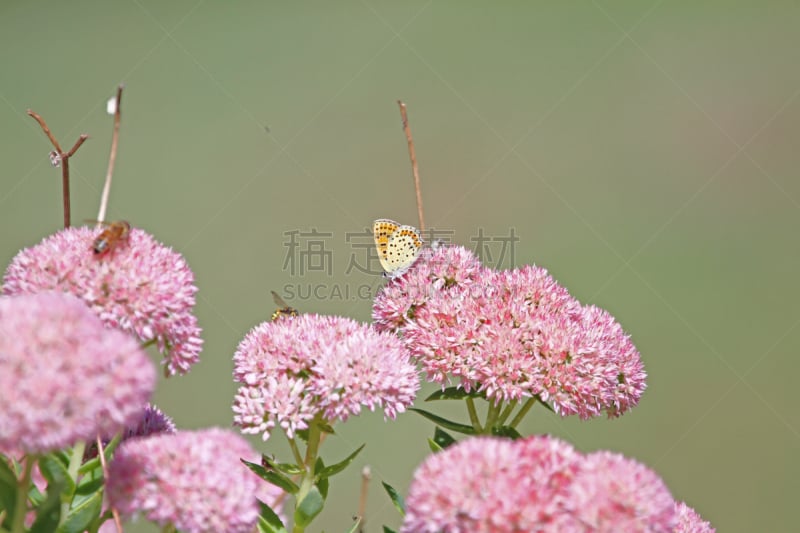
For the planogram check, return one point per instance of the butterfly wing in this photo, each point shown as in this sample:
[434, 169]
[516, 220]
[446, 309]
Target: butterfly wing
[382, 230]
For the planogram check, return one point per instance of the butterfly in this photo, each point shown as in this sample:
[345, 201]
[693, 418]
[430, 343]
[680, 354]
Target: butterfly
[398, 246]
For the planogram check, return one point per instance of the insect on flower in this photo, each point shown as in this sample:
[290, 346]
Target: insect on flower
[284, 310]
[112, 234]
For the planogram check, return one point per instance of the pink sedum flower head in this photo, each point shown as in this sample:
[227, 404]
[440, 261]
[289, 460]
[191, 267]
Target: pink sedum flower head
[64, 377]
[293, 369]
[192, 480]
[689, 521]
[491, 485]
[512, 335]
[139, 286]
[613, 493]
[436, 271]
[538, 484]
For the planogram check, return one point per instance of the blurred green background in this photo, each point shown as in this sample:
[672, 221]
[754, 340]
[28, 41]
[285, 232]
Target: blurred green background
[644, 152]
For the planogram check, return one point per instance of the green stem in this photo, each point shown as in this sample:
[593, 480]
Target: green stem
[473, 415]
[151, 342]
[72, 471]
[507, 412]
[298, 457]
[23, 484]
[309, 476]
[523, 411]
[491, 416]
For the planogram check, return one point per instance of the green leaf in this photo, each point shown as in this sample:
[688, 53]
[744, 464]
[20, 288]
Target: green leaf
[442, 438]
[397, 500]
[453, 426]
[287, 468]
[290, 469]
[454, 393]
[48, 512]
[308, 508]
[89, 485]
[7, 476]
[506, 431]
[435, 448]
[8, 487]
[80, 516]
[338, 467]
[274, 477]
[268, 520]
[55, 472]
[322, 483]
[388, 530]
[91, 466]
[94, 463]
[326, 428]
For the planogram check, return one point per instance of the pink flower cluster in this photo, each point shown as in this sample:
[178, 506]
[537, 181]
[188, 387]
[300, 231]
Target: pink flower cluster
[64, 377]
[510, 335]
[192, 480]
[298, 367]
[490, 485]
[140, 286]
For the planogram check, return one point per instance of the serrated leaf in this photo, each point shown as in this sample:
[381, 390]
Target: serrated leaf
[438, 420]
[453, 393]
[355, 526]
[442, 438]
[506, 431]
[287, 468]
[274, 477]
[338, 467]
[80, 516]
[308, 508]
[397, 499]
[290, 469]
[268, 520]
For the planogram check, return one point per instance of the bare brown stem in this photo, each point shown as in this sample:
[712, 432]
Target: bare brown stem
[366, 476]
[414, 168]
[64, 158]
[46, 130]
[101, 454]
[112, 158]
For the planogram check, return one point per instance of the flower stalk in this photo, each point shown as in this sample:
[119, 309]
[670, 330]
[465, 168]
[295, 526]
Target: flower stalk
[23, 484]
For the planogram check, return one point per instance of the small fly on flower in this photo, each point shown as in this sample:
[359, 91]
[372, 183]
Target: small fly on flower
[284, 310]
[113, 233]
